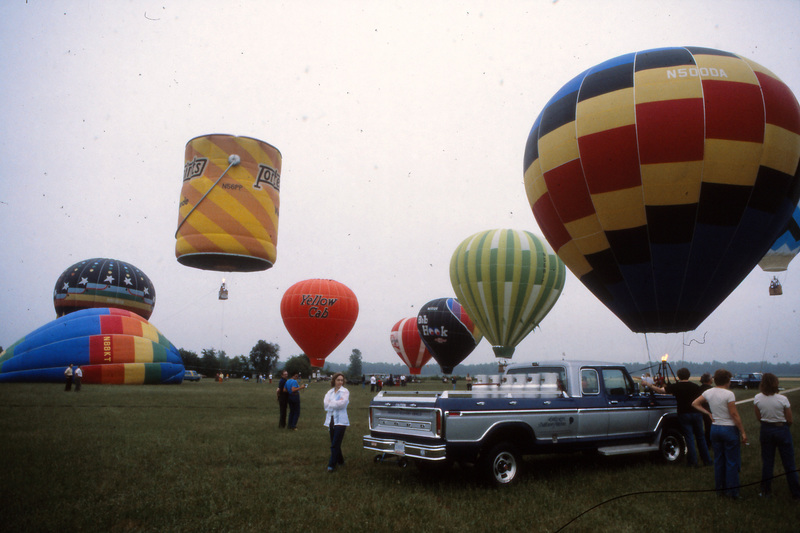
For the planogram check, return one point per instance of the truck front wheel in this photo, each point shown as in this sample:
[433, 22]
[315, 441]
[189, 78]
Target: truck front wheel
[501, 465]
[672, 447]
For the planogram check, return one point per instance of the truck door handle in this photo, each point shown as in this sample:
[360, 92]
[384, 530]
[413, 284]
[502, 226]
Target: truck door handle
[512, 402]
[481, 403]
[613, 402]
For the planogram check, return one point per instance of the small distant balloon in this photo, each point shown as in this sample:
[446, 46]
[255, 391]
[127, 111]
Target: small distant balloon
[662, 177]
[319, 314]
[112, 346]
[408, 344]
[101, 282]
[447, 331]
[228, 217]
[785, 248]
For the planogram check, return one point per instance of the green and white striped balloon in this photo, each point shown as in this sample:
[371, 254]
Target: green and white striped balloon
[507, 280]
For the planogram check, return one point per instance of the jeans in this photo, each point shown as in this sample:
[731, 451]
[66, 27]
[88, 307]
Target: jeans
[337, 436]
[294, 410]
[779, 437]
[694, 433]
[727, 459]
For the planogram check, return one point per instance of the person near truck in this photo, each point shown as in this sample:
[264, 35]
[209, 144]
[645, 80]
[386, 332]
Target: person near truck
[690, 419]
[726, 431]
[705, 384]
[335, 404]
[775, 414]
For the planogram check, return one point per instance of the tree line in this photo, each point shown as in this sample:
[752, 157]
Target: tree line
[263, 359]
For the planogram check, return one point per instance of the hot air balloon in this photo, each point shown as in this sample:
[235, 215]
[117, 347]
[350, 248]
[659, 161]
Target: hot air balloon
[783, 250]
[406, 341]
[112, 346]
[101, 282]
[228, 217]
[662, 177]
[507, 280]
[447, 331]
[318, 314]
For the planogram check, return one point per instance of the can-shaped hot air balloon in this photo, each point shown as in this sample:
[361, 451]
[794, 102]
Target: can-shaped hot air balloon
[228, 215]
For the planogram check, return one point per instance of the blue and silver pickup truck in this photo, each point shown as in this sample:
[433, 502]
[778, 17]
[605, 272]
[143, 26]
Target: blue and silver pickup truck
[547, 407]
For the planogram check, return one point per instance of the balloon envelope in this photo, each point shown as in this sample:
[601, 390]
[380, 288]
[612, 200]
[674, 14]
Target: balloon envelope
[786, 246]
[101, 282]
[228, 218]
[662, 177]
[507, 280]
[447, 331]
[406, 341]
[112, 346]
[318, 314]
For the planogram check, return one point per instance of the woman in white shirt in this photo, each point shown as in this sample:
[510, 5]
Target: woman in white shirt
[726, 430]
[335, 403]
[775, 414]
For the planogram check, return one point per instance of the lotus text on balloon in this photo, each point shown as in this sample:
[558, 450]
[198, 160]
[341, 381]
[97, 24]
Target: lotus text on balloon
[268, 175]
[695, 72]
[194, 168]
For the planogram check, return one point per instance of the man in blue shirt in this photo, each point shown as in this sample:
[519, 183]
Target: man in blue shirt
[293, 388]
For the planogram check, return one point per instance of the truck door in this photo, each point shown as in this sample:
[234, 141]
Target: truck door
[593, 416]
[628, 414]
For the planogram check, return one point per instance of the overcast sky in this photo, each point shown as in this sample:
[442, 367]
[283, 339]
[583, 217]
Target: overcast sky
[402, 127]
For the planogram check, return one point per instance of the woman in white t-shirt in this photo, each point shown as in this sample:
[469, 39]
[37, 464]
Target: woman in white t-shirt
[775, 414]
[726, 430]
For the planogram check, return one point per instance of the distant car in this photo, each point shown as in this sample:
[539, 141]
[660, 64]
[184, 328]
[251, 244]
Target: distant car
[746, 381]
[191, 375]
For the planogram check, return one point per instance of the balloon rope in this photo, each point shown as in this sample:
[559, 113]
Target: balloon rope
[647, 344]
[234, 160]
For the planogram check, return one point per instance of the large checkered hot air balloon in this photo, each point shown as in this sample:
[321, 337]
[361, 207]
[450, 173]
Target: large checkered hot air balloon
[662, 177]
[228, 218]
[507, 280]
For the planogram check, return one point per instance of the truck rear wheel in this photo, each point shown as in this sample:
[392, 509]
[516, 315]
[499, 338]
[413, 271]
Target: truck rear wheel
[501, 465]
[672, 446]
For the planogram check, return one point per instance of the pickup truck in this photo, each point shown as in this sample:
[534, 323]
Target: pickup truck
[533, 408]
[746, 381]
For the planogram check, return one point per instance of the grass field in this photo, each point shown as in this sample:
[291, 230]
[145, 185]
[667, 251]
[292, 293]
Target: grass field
[209, 457]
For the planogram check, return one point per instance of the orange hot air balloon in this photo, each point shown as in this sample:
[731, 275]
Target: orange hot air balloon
[318, 314]
[408, 344]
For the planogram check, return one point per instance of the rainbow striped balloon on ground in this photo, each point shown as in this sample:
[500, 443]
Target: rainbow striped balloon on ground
[507, 280]
[112, 346]
[662, 177]
[229, 206]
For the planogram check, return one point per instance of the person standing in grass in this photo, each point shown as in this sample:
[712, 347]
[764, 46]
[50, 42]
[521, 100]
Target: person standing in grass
[726, 430]
[293, 389]
[77, 375]
[775, 414]
[68, 376]
[283, 399]
[691, 421]
[335, 404]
